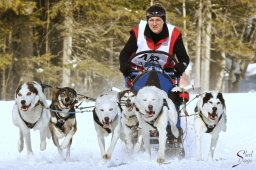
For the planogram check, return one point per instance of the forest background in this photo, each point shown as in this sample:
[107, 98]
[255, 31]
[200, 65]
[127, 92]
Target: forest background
[76, 43]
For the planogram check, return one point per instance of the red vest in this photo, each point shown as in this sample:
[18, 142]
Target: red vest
[166, 44]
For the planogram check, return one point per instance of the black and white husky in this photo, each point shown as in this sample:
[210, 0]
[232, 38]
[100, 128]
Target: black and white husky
[30, 111]
[210, 118]
[129, 120]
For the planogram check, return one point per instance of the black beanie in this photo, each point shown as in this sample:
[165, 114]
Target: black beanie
[156, 11]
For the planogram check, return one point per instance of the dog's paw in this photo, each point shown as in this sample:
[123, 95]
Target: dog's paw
[43, 145]
[106, 157]
[160, 160]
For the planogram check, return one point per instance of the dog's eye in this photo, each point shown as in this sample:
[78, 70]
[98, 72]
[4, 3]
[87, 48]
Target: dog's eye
[29, 93]
[210, 102]
[144, 100]
[101, 110]
[19, 94]
[62, 95]
[218, 103]
[71, 94]
[110, 109]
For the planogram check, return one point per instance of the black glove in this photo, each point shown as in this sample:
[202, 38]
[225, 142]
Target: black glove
[179, 68]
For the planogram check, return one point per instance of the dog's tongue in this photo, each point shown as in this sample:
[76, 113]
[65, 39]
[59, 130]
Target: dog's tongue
[130, 109]
[150, 113]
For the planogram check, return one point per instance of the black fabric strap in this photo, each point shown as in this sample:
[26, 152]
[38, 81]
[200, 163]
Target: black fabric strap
[209, 128]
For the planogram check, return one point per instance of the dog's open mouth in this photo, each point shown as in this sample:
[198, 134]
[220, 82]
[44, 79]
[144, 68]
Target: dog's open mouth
[25, 107]
[212, 116]
[106, 124]
[150, 113]
[129, 107]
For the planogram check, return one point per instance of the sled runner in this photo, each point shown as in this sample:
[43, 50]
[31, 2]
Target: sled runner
[155, 68]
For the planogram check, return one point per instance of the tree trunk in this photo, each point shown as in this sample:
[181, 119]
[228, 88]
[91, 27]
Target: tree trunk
[198, 48]
[205, 83]
[67, 51]
[184, 25]
[220, 78]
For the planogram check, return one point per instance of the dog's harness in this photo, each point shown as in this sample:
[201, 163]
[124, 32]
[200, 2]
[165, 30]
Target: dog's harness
[28, 124]
[60, 119]
[209, 127]
[151, 123]
[132, 126]
[97, 120]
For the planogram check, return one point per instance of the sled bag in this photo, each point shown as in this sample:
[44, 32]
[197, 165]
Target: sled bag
[152, 78]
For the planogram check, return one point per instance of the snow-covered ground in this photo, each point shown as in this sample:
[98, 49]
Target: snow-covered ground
[236, 146]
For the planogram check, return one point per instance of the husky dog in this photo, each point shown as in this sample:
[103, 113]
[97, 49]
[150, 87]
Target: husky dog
[211, 118]
[130, 123]
[30, 112]
[63, 119]
[154, 110]
[106, 115]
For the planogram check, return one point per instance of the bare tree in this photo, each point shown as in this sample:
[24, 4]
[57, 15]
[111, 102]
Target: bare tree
[198, 46]
[67, 44]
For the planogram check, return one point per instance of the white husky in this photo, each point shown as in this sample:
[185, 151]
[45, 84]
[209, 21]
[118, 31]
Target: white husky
[107, 121]
[30, 112]
[154, 110]
[211, 118]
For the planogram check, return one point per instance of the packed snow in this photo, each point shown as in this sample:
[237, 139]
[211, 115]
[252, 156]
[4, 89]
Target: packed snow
[237, 146]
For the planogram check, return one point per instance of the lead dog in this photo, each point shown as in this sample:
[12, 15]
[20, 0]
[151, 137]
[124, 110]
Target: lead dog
[106, 115]
[63, 118]
[210, 118]
[129, 120]
[154, 110]
[30, 112]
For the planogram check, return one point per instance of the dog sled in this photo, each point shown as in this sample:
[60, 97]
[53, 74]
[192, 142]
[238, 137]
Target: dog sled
[148, 69]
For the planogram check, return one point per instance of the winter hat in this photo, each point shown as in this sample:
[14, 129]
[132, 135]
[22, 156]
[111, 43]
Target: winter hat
[156, 11]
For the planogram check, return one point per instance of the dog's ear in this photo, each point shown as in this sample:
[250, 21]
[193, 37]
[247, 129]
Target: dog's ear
[40, 93]
[120, 95]
[18, 89]
[54, 93]
[207, 97]
[220, 97]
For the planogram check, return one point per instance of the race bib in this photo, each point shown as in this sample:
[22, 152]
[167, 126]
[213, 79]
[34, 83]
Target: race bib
[147, 59]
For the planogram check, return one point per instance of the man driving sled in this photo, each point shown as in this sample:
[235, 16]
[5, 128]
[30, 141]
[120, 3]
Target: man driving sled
[155, 34]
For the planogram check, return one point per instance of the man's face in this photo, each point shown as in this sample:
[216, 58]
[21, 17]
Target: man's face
[156, 24]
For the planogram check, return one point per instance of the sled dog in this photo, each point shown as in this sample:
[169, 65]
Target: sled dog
[129, 121]
[154, 110]
[30, 112]
[63, 119]
[106, 115]
[210, 118]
